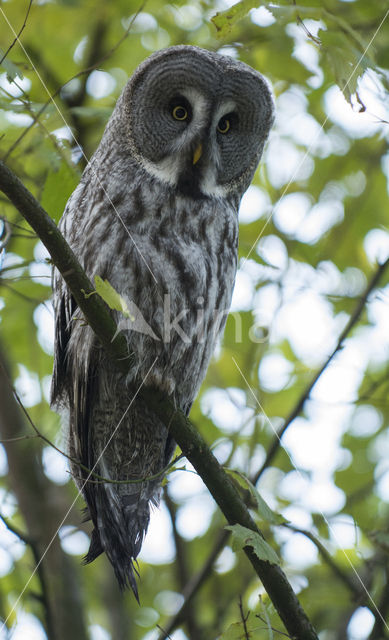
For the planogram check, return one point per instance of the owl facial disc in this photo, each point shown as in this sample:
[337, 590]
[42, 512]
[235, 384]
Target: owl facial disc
[198, 120]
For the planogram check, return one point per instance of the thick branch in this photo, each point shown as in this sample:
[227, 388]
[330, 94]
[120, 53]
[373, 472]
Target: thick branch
[191, 442]
[93, 307]
[225, 494]
[274, 446]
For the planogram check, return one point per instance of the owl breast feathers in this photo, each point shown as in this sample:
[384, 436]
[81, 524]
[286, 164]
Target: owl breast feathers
[156, 214]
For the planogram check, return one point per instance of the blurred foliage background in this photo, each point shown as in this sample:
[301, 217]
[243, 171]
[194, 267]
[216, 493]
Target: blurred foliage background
[314, 233]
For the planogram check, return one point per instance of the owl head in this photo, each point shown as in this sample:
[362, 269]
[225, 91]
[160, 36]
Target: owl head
[197, 120]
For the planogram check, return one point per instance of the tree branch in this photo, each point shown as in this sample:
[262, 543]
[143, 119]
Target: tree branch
[77, 99]
[81, 73]
[93, 477]
[44, 597]
[42, 507]
[344, 577]
[194, 584]
[275, 444]
[93, 307]
[244, 617]
[182, 569]
[18, 34]
[191, 442]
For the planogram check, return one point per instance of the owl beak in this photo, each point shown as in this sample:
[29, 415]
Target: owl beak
[197, 153]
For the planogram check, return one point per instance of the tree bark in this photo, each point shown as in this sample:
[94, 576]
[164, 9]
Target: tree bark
[187, 437]
[63, 616]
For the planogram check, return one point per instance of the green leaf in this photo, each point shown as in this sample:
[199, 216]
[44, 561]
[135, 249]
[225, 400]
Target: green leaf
[347, 165]
[264, 511]
[113, 299]
[58, 187]
[244, 537]
[224, 21]
[345, 60]
[236, 631]
[11, 69]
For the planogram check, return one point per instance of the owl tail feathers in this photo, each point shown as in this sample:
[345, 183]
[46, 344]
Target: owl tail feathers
[125, 569]
[120, 523]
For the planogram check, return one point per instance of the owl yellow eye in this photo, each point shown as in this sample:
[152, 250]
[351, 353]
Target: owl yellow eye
[223, 125]
[180, 113]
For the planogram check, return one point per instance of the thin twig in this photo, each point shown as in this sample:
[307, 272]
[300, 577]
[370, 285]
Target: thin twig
[30, 542]
[207, 567]
[18, 438]
[27, 415]
[335, 568]
[29, 232]
[24, 537]
[164, 633]
[182, 568]
[244, 619]
[19, 294]
[102, 480]
[20, 265]
[300, 22]
[195, 583]
[74, 77]
[98, 478]
[19, 34]
[276, 442]
[182, 431]
[270, 628]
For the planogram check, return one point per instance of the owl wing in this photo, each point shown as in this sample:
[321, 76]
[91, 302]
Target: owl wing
[64, 308]
[73, 380]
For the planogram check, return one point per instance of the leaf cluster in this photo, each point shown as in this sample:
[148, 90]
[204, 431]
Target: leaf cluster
[314, 226]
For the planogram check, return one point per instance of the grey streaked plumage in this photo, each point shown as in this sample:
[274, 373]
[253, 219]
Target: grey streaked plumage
[156, 214]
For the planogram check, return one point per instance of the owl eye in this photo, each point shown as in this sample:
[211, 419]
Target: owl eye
[223, 125]
[179, 112]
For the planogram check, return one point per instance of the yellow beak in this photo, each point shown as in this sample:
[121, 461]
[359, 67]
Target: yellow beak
[197, 153]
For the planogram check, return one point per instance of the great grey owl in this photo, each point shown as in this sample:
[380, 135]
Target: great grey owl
[156, 214]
